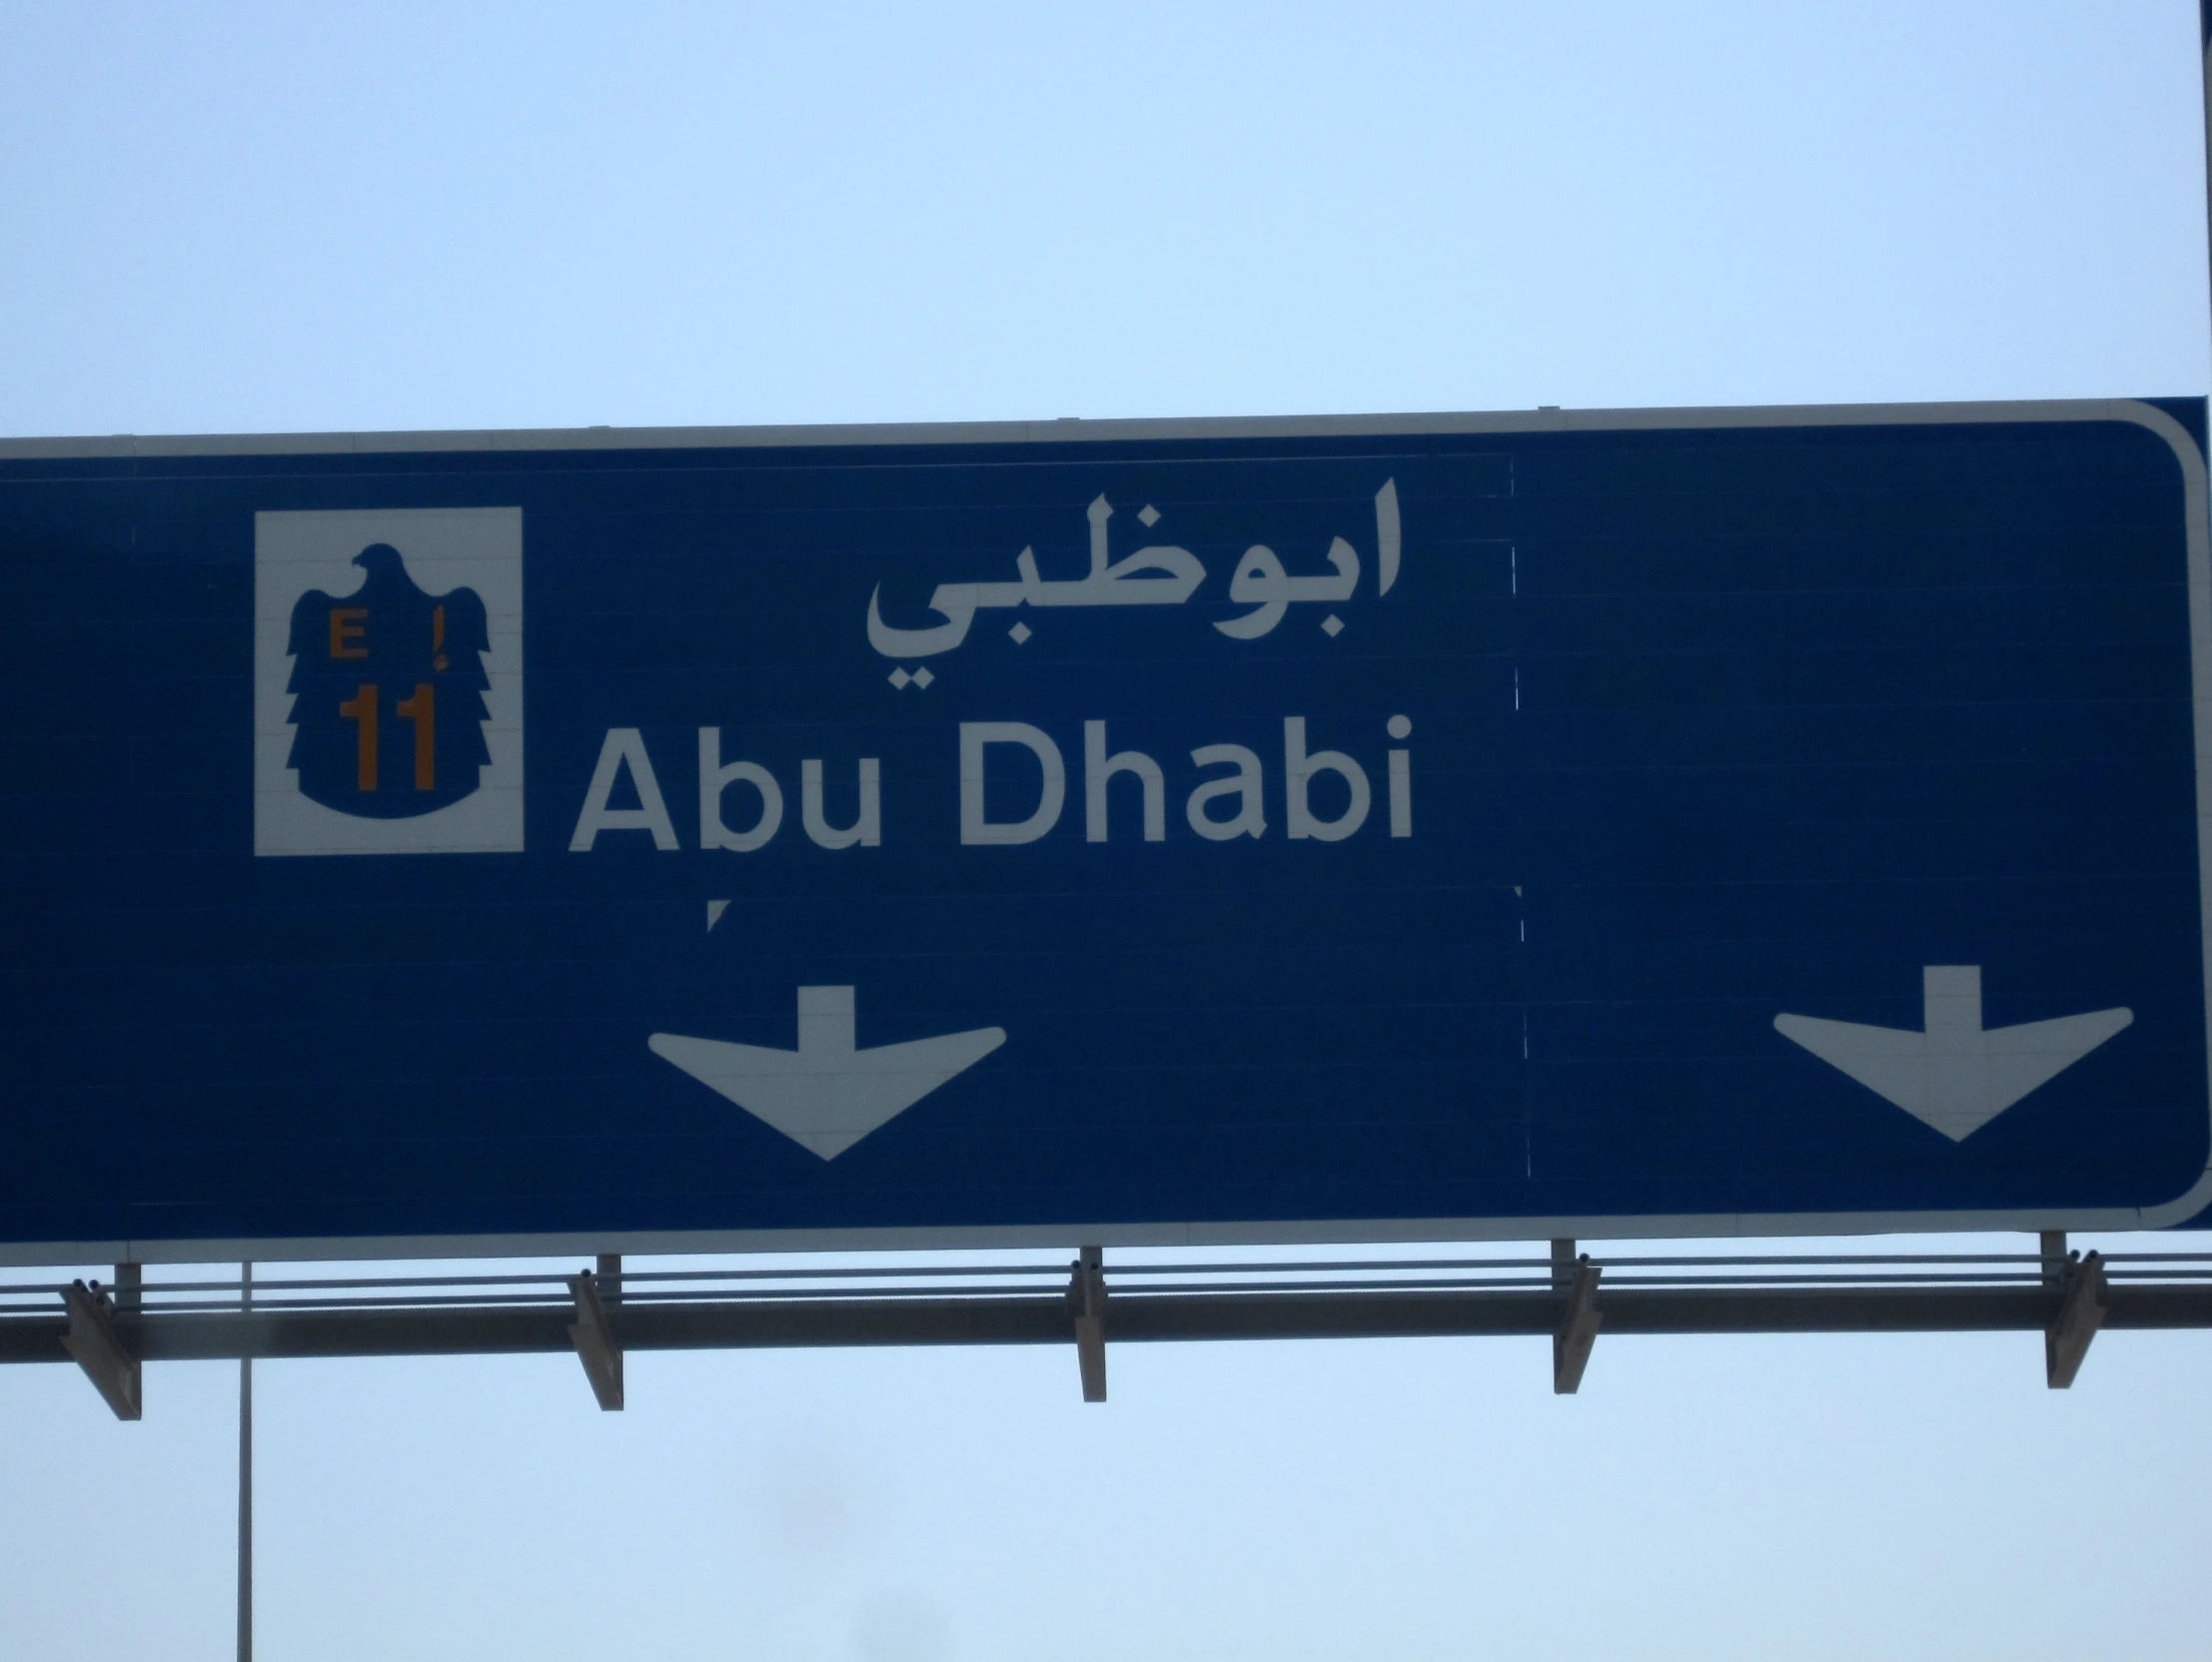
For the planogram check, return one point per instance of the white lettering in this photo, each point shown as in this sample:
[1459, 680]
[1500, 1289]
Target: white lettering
[1250, 821]
[975, 737]
[716, 778]
[866, 828]
[1298, 771]
[1098, 767]
[625, 746]
[1400, 774]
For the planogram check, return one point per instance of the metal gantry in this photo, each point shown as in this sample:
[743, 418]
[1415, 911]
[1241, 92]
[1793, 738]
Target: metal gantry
[601, 1313]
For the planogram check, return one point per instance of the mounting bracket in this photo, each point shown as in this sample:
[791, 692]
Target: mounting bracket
[2080, 1314]
[1577, 1329]
[92, 1339]
[593, 1338]
[1087, 1300]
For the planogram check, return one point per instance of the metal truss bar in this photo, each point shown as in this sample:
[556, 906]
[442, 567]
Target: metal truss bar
[163, 1299]
[1489, 1272]
[1138, 1318]
[941, 1280]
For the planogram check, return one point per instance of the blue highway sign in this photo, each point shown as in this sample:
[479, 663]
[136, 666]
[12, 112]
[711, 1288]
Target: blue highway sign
[1597, 824]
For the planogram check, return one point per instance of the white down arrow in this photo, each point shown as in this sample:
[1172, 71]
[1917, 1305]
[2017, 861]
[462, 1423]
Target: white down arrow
[827, 1094]
[1956, 1076]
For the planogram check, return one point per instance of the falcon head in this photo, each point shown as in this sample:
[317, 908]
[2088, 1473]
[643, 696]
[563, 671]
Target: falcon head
[380, 559]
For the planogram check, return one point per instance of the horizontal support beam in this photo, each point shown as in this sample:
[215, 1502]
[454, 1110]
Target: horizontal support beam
[1138, 1318]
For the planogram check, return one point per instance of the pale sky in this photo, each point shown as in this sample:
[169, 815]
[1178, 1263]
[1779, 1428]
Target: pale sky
[230, 218]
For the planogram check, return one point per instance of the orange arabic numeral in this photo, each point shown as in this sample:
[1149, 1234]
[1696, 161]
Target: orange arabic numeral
[422, 709]
[361, 710]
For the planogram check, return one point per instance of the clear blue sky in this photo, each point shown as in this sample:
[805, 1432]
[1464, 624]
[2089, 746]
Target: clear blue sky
[237, 218]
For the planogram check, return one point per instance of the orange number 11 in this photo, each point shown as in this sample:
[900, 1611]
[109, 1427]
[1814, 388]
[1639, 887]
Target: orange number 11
[421, 710]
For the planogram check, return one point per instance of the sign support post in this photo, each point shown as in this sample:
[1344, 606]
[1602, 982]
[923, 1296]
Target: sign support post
[246, 1478]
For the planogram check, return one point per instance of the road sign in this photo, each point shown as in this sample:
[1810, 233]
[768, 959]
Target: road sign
[1566, 823]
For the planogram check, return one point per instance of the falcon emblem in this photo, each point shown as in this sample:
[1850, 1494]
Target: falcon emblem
[388, 709]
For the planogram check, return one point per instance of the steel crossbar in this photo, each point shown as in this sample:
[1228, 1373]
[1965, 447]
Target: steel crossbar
[749, 1305]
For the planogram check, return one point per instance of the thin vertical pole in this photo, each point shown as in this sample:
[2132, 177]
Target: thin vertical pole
[245, 1477]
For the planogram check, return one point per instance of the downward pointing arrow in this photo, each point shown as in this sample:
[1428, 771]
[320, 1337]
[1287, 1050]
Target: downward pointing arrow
[827, 1094]
[1956, 1076]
